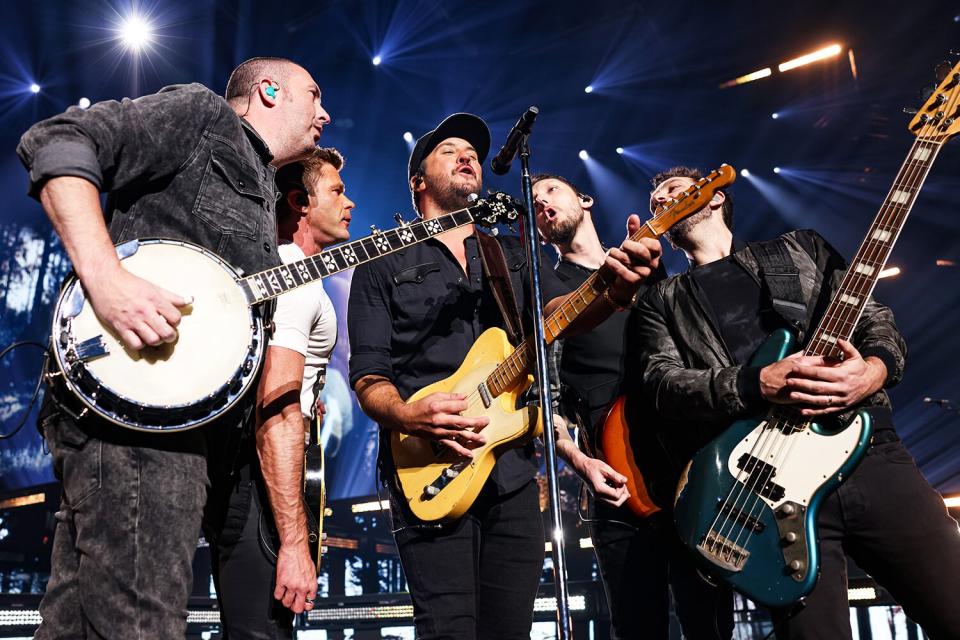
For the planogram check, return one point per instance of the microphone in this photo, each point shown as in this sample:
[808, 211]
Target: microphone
[501, 162]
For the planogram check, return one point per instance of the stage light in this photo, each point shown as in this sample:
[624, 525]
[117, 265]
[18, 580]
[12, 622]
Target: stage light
[944, 262]
[583, 154]
[745, 173]
[774, 115]
[750, 77]
[34, 88]
[819, 54]
[620, 151]
[889, 272]
[588, 88]
[377, 60]
[83, 103]
[951, 502]
[135, 32]
[776, 169]
[407, 136]
[859, 594]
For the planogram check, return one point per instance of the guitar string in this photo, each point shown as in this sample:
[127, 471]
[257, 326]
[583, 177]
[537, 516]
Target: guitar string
[853, 280]
[871, 247]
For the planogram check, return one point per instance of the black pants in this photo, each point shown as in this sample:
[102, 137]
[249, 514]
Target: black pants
[244, 573]
[477, 577]
[642, 562]
[889, 519]
[126, 530]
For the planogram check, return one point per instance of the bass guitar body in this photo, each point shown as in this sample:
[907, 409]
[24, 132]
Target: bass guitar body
[439, 485]
[618, 452]
[748, 502]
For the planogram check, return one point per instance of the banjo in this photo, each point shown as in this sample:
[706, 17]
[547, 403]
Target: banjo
[221, 338]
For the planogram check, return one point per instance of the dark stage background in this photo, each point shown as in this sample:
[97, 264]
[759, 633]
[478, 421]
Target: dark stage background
[654, 68]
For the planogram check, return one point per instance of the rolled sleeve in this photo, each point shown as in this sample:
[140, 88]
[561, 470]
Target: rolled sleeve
[69, 158]
[369, 325]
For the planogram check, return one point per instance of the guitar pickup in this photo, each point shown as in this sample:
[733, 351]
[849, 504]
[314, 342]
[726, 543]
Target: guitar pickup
[760, 478]
[739, 516]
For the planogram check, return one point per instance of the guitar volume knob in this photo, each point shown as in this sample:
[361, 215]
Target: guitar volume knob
[791, 537]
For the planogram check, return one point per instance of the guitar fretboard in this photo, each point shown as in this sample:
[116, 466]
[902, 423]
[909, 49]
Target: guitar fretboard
[857, 284]
[273, 282]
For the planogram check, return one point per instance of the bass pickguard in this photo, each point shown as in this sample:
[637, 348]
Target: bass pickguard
[801, 462]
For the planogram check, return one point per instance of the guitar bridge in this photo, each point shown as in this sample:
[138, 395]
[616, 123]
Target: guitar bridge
[723, 552]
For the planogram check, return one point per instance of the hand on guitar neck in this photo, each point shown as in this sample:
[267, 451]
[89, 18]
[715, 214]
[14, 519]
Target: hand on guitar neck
[822, 385]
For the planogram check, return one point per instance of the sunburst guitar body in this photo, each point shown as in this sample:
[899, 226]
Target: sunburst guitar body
[440, 485]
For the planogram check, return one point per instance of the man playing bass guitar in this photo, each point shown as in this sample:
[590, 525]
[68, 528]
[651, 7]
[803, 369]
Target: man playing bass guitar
[641, 560]
[697, 331]
[412, 318]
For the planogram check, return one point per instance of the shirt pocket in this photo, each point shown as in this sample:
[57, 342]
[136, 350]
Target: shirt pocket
[230, 200]
[417, 291]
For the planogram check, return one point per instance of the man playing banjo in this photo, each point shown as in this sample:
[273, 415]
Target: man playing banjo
[184, 164]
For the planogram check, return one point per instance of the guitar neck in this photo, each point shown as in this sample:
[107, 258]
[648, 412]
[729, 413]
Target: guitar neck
[273, 282]
[851, 298]
[518, 364]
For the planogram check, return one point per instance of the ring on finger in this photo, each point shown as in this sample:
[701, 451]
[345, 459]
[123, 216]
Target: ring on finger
[829, 401]
[308, 600]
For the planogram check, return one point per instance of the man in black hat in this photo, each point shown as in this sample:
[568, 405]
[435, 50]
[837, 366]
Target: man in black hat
[412, 318]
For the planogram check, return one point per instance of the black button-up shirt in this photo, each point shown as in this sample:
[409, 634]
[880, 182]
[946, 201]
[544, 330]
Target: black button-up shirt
[414, 315]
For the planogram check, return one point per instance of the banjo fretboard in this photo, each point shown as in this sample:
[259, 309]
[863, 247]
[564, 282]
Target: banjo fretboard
[273, 282]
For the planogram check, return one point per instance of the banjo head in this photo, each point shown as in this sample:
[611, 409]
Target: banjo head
[175, 386]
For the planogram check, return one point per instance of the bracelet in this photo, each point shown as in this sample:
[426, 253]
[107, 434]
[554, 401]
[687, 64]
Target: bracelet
[618, 306]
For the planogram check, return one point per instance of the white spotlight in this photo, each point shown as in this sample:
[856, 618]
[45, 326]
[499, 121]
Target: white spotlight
[776, 169]
[774, 115]
[34, 88]
[408, 137]
[583, 154]
[588, 88]
[745, 173]
[377, 60]
[135, 32]
[83, 103]
[620, 150]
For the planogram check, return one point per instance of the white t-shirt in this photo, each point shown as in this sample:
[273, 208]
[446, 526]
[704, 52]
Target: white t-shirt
[306, 323]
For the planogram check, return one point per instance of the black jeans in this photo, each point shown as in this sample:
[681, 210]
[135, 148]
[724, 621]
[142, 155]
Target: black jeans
[477, 578]
[243, 571]
[126, 530]
[893, 524]
[642, 561]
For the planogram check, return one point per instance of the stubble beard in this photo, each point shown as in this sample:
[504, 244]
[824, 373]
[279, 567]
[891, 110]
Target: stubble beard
[679, 233]
[450, 195]
[562, 233]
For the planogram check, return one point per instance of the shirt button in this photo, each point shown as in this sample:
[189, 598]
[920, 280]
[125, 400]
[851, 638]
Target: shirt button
[459, 279]
[240, 183]
[266, 247]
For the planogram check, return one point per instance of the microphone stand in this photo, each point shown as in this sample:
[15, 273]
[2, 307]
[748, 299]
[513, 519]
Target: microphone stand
[546, 403]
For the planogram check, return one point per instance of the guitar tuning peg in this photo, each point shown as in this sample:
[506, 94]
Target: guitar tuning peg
[373, 229]
[910, 111]
[472, 197]
[399, 218]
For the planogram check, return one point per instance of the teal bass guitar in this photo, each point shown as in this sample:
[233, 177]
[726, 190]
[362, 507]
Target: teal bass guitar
[747, 503]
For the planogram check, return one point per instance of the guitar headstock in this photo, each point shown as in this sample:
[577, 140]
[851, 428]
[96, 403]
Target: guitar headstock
[496, 208]
[692, 200]
[938, 119]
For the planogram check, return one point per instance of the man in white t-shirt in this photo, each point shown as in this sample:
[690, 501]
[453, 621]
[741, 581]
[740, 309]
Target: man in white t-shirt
[313, 212]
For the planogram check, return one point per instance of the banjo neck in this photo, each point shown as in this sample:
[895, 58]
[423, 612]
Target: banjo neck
[275, 281]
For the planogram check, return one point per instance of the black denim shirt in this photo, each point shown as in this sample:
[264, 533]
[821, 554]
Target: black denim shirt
[414, 315]
[177, 164]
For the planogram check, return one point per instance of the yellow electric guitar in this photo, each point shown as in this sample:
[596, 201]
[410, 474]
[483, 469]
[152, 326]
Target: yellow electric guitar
[438, 484]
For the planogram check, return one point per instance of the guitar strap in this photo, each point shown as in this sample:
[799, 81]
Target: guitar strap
[781, 278]
[495, 268]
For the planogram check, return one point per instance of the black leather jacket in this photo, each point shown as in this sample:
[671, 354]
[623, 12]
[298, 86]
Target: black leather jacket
[176, 164]
[686, 372]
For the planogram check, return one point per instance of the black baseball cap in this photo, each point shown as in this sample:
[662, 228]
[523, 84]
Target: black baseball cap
[459, 125]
